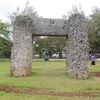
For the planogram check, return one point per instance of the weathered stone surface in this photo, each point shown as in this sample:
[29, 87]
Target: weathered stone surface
[77, 47]
[21, 71]
[21, 56]
[50, 27]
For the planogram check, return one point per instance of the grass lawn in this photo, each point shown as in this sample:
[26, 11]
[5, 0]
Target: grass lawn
[49, 76]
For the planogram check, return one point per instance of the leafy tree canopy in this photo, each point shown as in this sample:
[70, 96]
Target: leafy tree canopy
[52, 44]
[4, 29]
[94, 30]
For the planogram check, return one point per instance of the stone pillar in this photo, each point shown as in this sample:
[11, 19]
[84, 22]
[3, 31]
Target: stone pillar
[77, 47]
[21, 54]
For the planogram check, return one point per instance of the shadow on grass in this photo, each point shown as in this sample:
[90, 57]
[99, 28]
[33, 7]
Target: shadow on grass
[34, 74]
[62, 75]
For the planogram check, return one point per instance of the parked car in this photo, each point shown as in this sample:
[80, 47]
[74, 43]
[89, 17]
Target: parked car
[59, 55]
[55, 55]
[97, 55]
[36, 56]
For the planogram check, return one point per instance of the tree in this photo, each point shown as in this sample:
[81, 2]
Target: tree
[52, 44]
[94, 30]
[5, 48]
[5, 44]
[4, 29]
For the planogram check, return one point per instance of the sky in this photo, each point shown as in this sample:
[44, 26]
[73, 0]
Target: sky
[47, 8]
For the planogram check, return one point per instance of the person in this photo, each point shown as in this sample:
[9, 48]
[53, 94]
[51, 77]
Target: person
[92, 60]
[46, 55]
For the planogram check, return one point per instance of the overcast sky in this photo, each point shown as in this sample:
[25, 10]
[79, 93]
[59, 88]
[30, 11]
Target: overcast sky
[47, 8]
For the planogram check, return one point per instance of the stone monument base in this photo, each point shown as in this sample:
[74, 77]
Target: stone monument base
[78, 74]
[21, 71]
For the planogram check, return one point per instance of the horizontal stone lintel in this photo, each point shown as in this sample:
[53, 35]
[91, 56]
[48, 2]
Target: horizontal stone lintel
[50, 27]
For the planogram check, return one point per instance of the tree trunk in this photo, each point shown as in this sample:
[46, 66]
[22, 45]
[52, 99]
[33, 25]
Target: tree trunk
[21, 54]
[77, 47]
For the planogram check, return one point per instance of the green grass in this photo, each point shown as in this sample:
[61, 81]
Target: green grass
[12, 96]
[50, 76]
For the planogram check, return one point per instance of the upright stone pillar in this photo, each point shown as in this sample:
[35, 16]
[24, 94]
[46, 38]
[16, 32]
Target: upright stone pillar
[21, 54]
[77, 47]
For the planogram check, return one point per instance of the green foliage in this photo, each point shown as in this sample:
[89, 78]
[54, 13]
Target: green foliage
[4, 29]
[5, 48]
[94, 30]
[52, 44]
[5, 44]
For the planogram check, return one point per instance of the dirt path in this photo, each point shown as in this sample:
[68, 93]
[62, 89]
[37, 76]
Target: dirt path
[39, 91]
[97, 74]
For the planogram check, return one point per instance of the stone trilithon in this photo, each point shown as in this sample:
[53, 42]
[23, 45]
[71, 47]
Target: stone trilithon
[75, 28]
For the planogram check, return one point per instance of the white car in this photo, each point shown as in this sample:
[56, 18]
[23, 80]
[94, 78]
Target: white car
[36, 56]
[55, 55]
